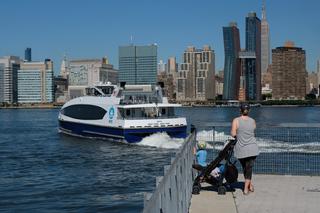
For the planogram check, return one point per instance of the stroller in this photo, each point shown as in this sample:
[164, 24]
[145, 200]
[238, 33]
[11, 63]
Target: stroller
[230, 173]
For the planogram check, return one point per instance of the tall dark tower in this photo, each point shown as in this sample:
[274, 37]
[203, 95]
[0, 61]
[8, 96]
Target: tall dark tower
[265, 41]
[253, 44]
[231, 40]
[27, 54]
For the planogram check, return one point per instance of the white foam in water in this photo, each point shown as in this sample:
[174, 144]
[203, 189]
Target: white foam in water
[265, 145]
[162, 140]
[271, 146]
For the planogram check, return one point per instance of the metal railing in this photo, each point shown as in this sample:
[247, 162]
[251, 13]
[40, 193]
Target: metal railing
[287, 148]
[173, 190]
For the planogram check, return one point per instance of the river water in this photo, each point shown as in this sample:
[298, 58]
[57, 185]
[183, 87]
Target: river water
[44, 171]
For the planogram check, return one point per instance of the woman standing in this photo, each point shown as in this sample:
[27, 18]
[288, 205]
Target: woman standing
[246, 148]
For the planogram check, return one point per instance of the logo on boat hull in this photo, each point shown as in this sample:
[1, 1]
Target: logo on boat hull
[111, 114]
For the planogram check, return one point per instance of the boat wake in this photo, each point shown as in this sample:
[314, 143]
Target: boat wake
[161, 140]
[217, 140]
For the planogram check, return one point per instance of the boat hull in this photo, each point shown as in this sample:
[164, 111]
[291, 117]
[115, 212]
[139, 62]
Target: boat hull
[132, 135]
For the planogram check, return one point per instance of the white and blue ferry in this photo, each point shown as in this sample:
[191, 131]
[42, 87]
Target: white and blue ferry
[127, 113]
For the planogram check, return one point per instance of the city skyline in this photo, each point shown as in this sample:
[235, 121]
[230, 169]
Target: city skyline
[93, 29]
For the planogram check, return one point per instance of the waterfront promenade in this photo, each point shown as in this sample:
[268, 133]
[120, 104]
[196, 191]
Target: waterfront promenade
[273, 193]
[286, 178]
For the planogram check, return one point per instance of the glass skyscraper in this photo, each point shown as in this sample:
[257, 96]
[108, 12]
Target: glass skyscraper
[253, 44]
[251, 80]
[138, 64]
[27, 54]
[231, 40]
[247, 79]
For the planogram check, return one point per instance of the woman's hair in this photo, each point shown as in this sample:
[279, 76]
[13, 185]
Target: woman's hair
[202, 145]
[244, 108]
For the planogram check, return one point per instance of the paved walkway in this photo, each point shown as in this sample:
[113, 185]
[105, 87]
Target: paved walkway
[273, 193]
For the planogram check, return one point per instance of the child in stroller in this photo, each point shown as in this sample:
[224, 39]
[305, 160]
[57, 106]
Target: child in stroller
[219, 169]
[201, 155]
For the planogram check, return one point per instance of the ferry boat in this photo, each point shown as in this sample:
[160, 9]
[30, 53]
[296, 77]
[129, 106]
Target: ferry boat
[123, 113]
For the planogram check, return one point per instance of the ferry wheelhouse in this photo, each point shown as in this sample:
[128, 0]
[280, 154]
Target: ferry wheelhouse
[127, 113]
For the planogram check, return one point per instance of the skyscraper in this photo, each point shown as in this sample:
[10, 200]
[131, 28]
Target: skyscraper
[138, 64]
[231, 40]
[35, 82]
[196, 77]
[27, 54]
[172, 71]
[265, 41]
[288, 73]
[161, 67]
[248, 80]
[172, 66]
[64, 69]
[318, 74]
[9, 66]
[253, 44]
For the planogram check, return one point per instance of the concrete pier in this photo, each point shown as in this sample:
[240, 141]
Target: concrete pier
[273, 193]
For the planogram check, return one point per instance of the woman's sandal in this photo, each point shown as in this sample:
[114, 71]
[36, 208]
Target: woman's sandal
[246, 193]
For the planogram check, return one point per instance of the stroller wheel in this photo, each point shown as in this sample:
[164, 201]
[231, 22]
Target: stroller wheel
[196, 189]
[222, 190]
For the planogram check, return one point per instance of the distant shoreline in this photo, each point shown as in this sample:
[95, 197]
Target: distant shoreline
[218, 106]
[34, 106]
[58, 106]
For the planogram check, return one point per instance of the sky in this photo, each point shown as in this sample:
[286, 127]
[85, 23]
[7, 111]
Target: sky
[96, 28]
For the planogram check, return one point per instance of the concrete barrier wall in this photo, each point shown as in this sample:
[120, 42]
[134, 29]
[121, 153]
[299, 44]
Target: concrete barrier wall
[173, 190]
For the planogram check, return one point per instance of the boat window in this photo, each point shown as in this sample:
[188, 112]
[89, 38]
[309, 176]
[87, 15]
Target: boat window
[121, 113]
[170, 112]
[150, 112]
[107, 90]
[134, 113]
[84, 112]
[137, 113]
[147, 113]
[163, 111]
